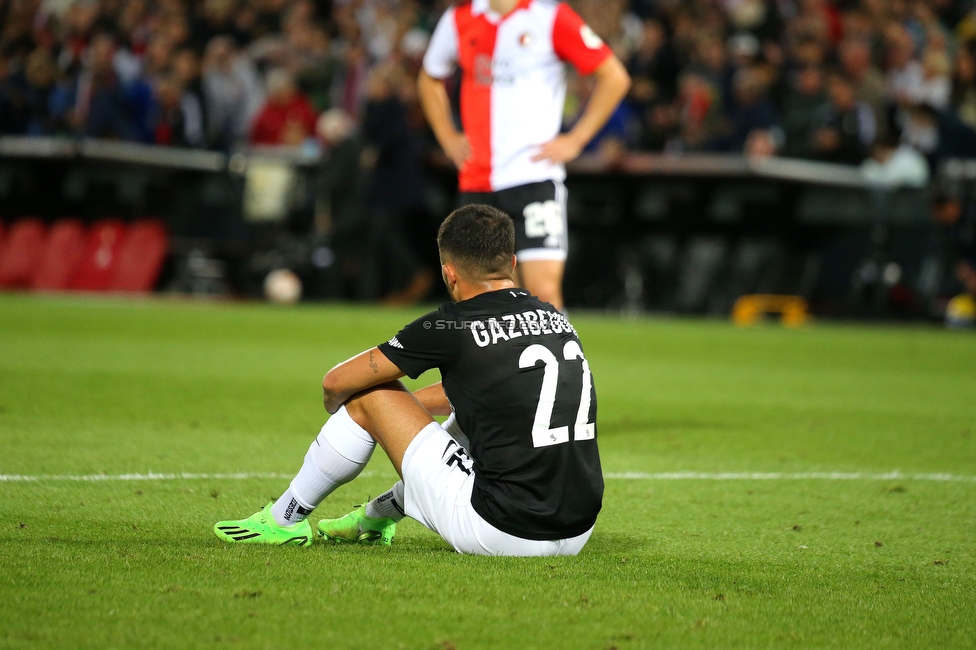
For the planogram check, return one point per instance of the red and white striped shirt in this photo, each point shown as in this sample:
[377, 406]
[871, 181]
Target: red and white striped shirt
[513, 85]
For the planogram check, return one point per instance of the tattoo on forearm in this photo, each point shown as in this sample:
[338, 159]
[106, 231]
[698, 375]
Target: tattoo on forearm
[373, 364]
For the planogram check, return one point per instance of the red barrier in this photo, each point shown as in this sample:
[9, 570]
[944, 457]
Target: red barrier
[20, 252]
[100, 257]
[140, 257]
[61, 256]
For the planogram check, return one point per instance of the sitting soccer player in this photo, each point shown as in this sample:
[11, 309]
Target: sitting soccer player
[514, 376]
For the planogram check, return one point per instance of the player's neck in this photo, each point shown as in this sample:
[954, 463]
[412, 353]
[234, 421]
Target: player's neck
[503, 7]
[467, 290]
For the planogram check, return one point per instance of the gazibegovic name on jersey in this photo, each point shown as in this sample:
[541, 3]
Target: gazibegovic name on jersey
[512, 326]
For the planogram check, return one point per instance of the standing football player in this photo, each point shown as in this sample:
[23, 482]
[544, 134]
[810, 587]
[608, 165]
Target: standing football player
[513, 89]
[526, 479]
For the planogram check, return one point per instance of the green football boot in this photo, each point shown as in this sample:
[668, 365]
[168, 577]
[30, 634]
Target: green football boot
[357, 528]
[261, 528]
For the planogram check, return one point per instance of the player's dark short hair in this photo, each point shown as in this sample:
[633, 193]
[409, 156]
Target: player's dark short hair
[478, 238]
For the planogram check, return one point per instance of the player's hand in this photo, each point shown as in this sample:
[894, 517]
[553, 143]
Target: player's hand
[562, 149]
[457, 148]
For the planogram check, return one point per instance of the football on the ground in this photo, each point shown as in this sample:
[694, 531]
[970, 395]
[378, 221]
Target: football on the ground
[282, 286]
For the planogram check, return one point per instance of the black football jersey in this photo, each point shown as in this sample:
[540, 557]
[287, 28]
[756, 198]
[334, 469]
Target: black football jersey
[514, 371]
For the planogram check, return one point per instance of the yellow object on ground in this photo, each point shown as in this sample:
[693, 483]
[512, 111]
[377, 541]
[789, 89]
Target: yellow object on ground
[961, 311]
[750, 308]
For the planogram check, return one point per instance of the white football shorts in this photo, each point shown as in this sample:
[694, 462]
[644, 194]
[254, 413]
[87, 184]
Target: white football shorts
[438, 478]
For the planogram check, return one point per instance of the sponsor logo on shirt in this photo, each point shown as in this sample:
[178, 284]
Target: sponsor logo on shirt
[488, 71]
[394, 343]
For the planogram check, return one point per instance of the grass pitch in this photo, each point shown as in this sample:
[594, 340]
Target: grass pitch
[91, 387]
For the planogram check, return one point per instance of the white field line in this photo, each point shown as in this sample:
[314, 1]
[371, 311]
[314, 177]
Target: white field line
[631, 476]
[151, 476]
[785, 476]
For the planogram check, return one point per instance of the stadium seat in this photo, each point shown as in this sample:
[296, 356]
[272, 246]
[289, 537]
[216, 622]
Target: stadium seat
[140, 257]
[20, 253]
[100, 257]
[60, 257]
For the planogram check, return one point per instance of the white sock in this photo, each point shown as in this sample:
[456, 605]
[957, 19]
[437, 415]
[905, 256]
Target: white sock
[389, 504]
[337, 456]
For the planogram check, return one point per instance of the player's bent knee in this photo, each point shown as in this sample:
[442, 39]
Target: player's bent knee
[354, 408]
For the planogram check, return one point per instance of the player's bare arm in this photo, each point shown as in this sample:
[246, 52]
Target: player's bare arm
[437, 107]
[434, 399]
[362, 372]
[612, 85]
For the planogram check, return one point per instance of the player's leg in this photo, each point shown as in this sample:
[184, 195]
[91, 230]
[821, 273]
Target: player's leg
[543, 279]
[375, 522]
[336, 456]
[437, 472]
[392, 416]
[438, 475]
[432, 464]
[388, 414]
[541, 237]
[368, 524]
[438, 478]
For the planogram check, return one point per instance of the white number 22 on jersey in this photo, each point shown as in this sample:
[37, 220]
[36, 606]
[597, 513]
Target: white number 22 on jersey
[542, 435]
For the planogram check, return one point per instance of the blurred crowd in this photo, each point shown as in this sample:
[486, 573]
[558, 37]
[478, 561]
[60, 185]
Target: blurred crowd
[198, 73]
[887, 84]
[836, 80]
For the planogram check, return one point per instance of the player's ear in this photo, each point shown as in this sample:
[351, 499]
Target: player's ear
[514, 263]
[450, 274]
